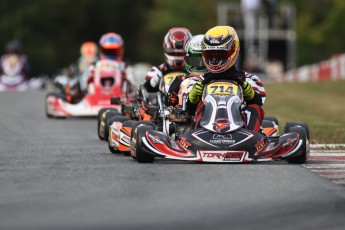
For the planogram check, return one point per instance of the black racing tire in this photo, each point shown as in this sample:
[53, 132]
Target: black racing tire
[288, 125]
[141, 155]
[99, 115]
[109, 112]
[271, 118]
[110, 121]
[267, 124]
[55, 94]
[302, 157]
[135, 125]
[128, 123]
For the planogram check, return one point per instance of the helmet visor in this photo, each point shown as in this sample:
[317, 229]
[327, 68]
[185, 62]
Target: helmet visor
[194, 61]
[175, 53]
[111, 52]
[216, 54]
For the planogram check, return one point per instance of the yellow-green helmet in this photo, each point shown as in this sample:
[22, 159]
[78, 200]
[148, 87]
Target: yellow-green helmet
[221, 48]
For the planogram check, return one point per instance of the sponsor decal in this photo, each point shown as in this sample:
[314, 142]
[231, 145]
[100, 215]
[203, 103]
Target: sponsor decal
[220, 136]
[222, 142]
[125, 139]
[184, 143]
[155, 139]
[290, 141]
[214, 41]
[219, 139]
[115, 140]
[217, 156]
[221, 124]
[260, 144]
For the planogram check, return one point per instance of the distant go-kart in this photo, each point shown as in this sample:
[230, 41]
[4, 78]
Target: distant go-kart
[220, 135]
[106, 83]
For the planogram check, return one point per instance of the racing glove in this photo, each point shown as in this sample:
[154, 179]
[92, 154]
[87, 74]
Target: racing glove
[196, 92]
[248, 92]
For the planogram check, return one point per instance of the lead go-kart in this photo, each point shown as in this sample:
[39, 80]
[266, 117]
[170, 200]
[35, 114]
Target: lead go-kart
[220, 135]
[106, 83]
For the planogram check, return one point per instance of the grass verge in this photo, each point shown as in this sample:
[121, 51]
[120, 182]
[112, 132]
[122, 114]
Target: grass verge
[320, 104]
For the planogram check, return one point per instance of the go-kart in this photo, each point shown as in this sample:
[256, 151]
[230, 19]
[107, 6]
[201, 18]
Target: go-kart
[142, 112]
[106, 83]
[220, 135]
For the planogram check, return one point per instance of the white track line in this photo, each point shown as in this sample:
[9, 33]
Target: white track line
[321, 166]
[332, 146]
[328, 154]
[333, 171]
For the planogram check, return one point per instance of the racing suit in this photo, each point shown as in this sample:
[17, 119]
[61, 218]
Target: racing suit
[252, 112]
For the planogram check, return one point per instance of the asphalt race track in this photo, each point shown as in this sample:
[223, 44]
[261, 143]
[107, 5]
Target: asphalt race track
[56, 174]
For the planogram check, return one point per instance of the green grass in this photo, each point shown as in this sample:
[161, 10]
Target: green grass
[320, 104]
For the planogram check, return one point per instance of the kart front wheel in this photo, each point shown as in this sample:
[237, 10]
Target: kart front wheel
[289, 125]
[301, 156]
[137, 145]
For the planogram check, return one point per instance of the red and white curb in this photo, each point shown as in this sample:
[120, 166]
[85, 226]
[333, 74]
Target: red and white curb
[327, 163]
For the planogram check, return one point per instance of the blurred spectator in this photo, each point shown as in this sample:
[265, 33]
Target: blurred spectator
[14, 55]
[88, 56]
[270, 8]
[250, 15]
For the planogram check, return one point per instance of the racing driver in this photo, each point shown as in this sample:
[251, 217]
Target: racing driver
[220, 53]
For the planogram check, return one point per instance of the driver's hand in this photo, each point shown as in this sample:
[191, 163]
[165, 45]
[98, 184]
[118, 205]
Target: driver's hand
[196, 92]
[248, 92]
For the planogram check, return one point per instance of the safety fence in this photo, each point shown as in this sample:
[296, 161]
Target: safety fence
[331, 69]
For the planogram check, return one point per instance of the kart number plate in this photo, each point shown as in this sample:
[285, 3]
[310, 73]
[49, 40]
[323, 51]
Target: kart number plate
[222, 88]
[106, 66]
[169, 78]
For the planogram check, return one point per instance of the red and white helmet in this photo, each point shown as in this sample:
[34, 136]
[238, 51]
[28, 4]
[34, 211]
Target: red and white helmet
[111, 47]
[173, 46]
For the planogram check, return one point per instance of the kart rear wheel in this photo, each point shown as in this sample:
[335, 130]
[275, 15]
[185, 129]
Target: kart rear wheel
[99, 116]
[302, 156]
[271, 118]
[141, 155]
[288, 125]
[110, 121]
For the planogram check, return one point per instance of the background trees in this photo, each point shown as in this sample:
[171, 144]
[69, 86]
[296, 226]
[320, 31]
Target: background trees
[52, 31]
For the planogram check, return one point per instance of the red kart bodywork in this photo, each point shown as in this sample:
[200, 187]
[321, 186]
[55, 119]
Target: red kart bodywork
[106, 83]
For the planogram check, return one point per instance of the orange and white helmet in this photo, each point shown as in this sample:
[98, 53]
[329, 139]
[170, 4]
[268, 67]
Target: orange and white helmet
[221, 48]
[88, 49]
[111, 47]
[173, 46]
